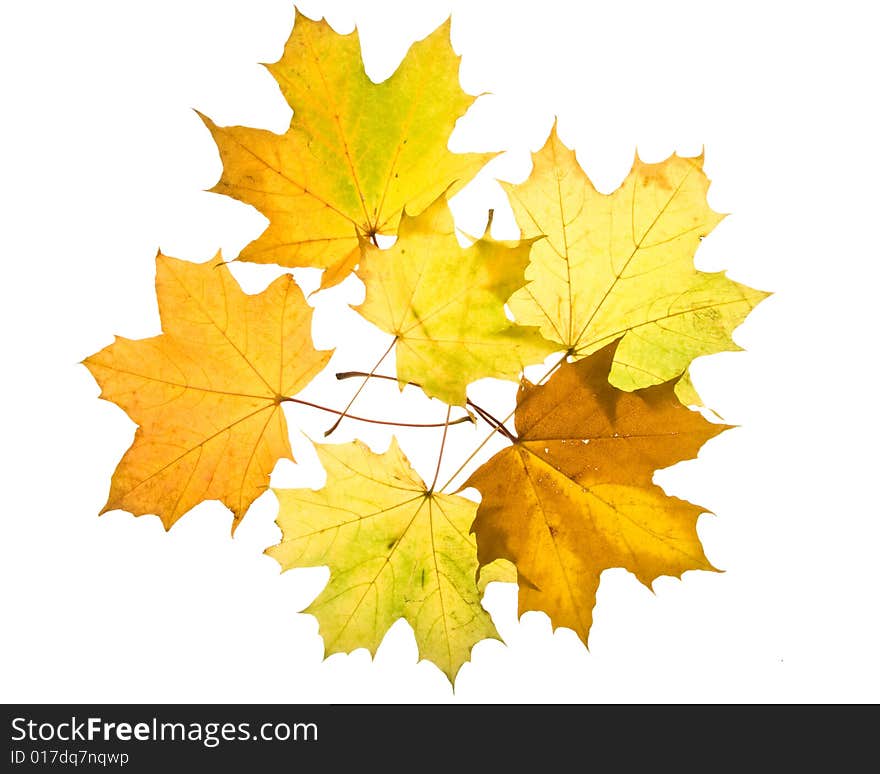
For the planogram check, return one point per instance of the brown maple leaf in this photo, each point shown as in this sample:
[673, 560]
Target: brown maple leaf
[574, 494]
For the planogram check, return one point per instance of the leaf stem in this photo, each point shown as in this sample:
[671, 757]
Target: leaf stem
[495, 424]
[484, 415]
[442, 446]
[344, 412]
[445, 424]
[501, 424]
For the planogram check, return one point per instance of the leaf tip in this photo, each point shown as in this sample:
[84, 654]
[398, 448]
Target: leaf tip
[271, 552]
[205, 120]
[443, 31]
[552, 137]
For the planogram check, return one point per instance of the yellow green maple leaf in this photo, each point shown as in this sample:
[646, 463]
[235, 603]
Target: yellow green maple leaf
[356, 152]
[206, 393]
[621, 264]
[394, 549]
[444, 303]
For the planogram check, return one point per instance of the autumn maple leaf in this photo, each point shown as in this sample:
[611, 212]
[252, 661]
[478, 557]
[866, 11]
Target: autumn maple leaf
[444, 304]
[394, 549]
[356, 151]
[574, 494]
[206, 394]
[621, 265]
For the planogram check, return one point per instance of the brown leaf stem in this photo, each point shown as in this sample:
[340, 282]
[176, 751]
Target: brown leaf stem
[497, 424]
[510, 437]
[442, 447]
[344, 412]
[447, 423]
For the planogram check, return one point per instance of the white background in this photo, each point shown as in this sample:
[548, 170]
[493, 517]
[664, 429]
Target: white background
[103, 162]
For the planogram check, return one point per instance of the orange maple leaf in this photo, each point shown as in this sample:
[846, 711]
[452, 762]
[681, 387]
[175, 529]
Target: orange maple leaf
[207, 393]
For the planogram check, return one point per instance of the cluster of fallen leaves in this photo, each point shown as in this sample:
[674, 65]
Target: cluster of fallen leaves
[606, 281]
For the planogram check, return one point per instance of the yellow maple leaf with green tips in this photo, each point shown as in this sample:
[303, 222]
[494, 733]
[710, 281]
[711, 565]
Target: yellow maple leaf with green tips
[621, 264]
[356, 151]
[444, 303]
[394, 549]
